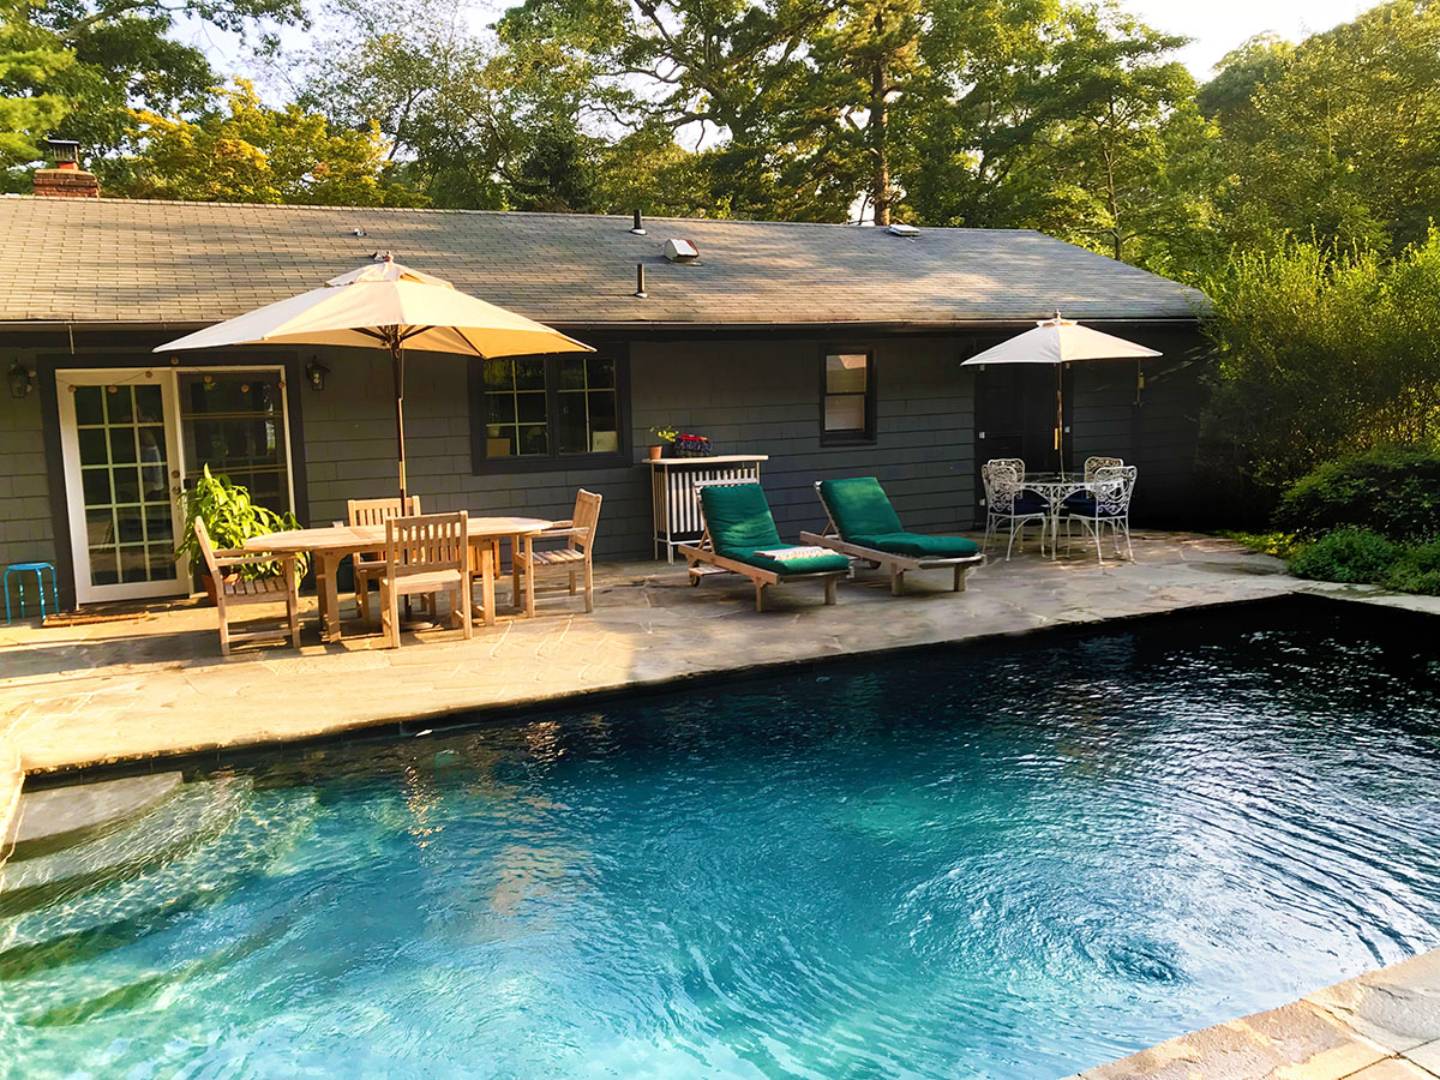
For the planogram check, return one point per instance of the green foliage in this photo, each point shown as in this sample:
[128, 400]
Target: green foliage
[1282, 545]
[31, 65]
[1322, 354]
[1417, 570]
[1352, 556]
[1394, 491]
[230, 518]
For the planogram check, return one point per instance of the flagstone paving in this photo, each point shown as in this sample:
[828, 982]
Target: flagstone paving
[155, 684]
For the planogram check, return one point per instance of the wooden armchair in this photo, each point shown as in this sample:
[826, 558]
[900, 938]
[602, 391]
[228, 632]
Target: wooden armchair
[238, 592]
[425, 555]
[574, 558]
[370, 565]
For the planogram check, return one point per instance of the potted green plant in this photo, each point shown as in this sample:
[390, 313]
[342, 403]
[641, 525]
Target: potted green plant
[230, 518]
[666, 435]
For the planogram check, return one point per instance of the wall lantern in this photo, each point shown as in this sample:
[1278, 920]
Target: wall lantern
[315, 372]
[21, 380]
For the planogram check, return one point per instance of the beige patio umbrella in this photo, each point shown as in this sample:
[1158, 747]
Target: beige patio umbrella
[1060, 341]
[388, 306]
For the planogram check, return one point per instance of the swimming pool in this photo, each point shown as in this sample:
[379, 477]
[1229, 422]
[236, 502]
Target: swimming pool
[1015, 860]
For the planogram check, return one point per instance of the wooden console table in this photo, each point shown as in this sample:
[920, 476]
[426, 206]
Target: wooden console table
[676, 505]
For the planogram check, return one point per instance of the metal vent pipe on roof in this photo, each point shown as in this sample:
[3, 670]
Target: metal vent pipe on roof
[640, 279]
[639, 227]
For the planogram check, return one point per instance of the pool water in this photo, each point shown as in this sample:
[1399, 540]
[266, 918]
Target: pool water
[1009, 861]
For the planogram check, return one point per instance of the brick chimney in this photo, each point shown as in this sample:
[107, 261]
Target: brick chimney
[66, 180]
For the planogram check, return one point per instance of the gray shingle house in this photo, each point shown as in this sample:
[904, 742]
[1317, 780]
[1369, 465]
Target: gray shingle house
[735, 345]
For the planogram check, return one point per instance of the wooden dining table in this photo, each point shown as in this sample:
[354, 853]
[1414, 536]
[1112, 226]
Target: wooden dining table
[328, 545]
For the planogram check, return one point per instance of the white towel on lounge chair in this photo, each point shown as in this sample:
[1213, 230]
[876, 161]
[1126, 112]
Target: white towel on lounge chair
[802, 551]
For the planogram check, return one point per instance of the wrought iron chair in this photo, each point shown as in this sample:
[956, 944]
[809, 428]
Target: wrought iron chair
[1008, 503]
[1107, 503]
[1095, 462]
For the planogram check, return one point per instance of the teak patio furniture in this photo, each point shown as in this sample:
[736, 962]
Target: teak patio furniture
[369, 565]
[237, 592]
[740, 538]
[425, 555]
[330, 545]
[862, 524]
[575, 557]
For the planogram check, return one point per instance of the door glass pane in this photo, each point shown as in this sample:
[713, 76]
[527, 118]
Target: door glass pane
[234, 422]
[125, 482]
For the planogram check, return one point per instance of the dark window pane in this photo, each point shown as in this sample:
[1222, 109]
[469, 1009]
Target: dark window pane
[94, 446]
[601, 371]
[572, 373]
[500, 408]
[531, 408]
[99, 528]
[96, 483]
[571, 436]
[533, 440]
[604, 428]
[122, 444]
[127, 484]
[130, 522]
[149, 407]
[159, 525]
[530, 373]
[102, 568]
[88, 407]
[134, 564]
[845, 412]
[846, 373]
[118, 404]
[162, 561]
[499, 374]
[500, 441]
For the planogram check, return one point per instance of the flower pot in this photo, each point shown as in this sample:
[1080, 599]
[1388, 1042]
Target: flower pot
[656, 452]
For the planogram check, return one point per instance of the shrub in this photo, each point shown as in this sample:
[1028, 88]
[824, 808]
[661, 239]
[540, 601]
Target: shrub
[1394, 491]
[1354, 556]
[1417, 571]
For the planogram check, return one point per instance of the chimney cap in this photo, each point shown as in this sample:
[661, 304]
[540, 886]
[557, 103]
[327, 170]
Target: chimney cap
[63, 150]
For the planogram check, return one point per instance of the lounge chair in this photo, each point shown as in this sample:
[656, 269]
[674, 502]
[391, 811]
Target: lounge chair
[863, 525]
[740, 538]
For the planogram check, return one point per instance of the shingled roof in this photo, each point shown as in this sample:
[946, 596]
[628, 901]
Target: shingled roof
[118, 261]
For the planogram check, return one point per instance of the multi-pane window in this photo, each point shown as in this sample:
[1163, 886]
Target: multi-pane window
[550, 407]
[848, 408]
[124, 476]
[234, 422]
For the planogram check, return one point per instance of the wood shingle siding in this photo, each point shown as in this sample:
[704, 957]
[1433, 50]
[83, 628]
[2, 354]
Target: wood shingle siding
[26, 530]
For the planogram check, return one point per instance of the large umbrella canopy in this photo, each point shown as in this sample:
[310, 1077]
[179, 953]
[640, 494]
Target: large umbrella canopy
[389, 306]
[1060, 341]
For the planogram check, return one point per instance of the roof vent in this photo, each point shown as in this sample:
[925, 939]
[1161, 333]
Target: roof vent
[898, 229]
[681, 251]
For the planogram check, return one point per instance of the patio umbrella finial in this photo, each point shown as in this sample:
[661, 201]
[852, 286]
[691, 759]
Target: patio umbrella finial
[383, 257]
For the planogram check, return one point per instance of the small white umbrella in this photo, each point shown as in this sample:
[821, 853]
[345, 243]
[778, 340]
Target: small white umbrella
[386, 305]
[1059, 341]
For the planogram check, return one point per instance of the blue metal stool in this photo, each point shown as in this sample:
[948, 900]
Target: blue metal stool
[38, 569]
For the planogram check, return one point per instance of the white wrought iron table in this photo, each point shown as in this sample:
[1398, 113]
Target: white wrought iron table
[1055, 488]
[675, 505]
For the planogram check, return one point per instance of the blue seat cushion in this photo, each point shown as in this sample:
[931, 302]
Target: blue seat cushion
[1029, 503]
[1084, 505]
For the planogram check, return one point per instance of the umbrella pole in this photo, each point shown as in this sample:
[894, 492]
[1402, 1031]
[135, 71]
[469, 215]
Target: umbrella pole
[397, 355]
[1060, 416]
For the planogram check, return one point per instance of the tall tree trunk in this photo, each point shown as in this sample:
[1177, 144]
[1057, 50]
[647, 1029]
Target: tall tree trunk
[878, 129]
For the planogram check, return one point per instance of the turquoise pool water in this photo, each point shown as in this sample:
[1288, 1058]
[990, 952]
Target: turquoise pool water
[1015, 861]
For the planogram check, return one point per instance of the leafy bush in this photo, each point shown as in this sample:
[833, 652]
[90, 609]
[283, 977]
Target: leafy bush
[1353, 556]
[1418, 570]
[1394, 491]
[1280, 544]
[231, 518]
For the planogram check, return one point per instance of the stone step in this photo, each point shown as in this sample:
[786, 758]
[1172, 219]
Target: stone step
[55, 818]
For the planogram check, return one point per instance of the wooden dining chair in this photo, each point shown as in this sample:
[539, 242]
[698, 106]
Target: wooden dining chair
[370, 565]
[574, 558]
[238, 592]
[424, 556]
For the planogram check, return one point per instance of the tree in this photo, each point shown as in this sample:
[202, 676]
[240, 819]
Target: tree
[30, 63]
[1338, 137]
[243, 151]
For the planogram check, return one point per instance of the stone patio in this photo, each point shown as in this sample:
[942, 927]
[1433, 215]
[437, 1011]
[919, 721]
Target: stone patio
[152, 682]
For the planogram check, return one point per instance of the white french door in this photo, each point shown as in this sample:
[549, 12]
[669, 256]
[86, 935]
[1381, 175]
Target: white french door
[119, 434]
[134, 438]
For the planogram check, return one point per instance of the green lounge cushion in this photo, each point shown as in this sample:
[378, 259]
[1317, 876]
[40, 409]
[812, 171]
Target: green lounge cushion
[919, 545]
[741, 526]
[860, 507]
[864, 516]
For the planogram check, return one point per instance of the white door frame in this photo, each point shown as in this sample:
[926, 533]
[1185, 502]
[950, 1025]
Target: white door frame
[167, 378]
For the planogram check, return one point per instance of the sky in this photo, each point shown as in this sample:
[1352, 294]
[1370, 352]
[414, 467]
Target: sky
[1215, 27]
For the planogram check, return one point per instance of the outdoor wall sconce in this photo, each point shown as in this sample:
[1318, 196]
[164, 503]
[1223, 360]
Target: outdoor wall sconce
[315, 372]
[21, 380]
